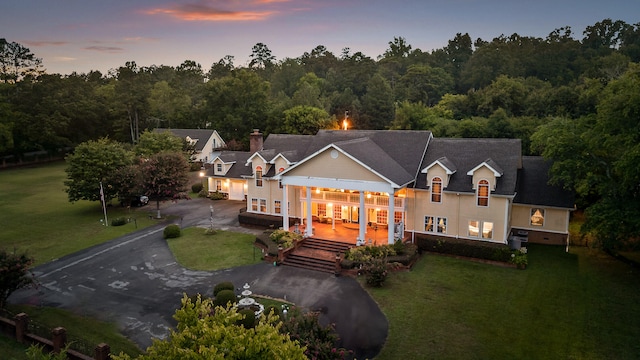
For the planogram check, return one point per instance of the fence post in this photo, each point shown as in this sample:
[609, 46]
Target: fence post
[102, 352]
[59, 339]
[22, 326]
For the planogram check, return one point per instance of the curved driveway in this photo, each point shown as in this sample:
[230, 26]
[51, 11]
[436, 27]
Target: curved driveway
[135, 282]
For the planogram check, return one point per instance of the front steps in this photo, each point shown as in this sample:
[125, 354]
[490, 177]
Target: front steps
[316, 254]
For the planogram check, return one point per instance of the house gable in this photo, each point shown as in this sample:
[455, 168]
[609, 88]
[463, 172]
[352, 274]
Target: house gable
[333, 163]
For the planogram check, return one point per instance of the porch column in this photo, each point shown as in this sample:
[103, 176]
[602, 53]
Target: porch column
[391, 218]
[309, 230]
[285, 208]
[362, 218]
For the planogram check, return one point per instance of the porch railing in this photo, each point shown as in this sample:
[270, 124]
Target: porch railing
[353, 198]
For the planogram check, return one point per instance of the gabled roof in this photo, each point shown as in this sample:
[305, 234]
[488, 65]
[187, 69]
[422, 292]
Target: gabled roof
[395, 155]
[491, 165]
[534, 188]
[467, 154]
[445, 163]
[202, 135]
[238, 159]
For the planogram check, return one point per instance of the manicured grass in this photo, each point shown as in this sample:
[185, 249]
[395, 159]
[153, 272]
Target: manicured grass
[197, 250]
[37, 217]
[80, 329]
[576, 305]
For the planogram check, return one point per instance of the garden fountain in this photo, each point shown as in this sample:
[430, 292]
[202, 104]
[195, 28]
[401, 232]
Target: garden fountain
[247, 302]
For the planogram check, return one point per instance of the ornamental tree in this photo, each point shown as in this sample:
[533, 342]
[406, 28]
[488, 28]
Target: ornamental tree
[205, 332]
[14, 273]
[164, 176]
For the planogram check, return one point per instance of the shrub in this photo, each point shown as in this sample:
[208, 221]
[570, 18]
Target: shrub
[376, 272]
[320, 341]
[118, 221]
[225, 285]
[172, 231]
[196, 188]
[467, 248]
[217, 196]
[224, 297]
[283, 238]
[272, 310]
[248, 320]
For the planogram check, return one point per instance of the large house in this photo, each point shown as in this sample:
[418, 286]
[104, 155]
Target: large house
[406, 182]
[204, 142]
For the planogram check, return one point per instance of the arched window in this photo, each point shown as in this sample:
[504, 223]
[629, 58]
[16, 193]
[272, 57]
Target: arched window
[436, 190]
[259, 176]
[483, 193]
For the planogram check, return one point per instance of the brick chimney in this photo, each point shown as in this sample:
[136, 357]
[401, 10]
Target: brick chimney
[255, 141]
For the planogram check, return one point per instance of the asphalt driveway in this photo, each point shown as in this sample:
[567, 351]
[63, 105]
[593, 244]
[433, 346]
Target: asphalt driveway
[135, 282]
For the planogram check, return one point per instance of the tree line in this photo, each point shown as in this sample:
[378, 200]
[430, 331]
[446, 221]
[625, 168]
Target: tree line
[570, 98]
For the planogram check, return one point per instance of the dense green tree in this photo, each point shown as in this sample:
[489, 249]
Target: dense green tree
[261, 57]
[152, 142]
[425, 84]
[307, 120]
[597, 155]
[207, 333]
[17, 62]
[237, 104]
[377, 105]
[94, 162]
[132, 90]
[164, 176]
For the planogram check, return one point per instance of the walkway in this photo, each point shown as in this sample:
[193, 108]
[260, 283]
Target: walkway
[135, 282]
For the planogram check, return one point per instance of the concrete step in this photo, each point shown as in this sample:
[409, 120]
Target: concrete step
[311, 263]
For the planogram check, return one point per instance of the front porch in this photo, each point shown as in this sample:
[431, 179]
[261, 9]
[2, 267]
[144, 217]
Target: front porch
[347, 233]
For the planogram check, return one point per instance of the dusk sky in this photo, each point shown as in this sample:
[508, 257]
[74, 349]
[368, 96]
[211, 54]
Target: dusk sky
[84, 35]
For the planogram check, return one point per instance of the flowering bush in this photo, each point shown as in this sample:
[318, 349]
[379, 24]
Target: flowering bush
[284, 238]
[519, 257]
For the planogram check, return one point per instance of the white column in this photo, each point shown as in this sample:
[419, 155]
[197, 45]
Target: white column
[362, 218]
[285, 208]
[309, 231]
[391, 218]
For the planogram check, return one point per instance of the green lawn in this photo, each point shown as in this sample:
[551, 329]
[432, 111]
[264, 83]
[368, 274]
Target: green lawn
[36, 216]
[577, 305]
[199, 251]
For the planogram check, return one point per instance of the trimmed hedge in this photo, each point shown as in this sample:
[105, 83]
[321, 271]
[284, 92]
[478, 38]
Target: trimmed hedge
[172, 231]
[118, 221]
[225, 297]
[262, 220]
[466, 248]
[225, 285]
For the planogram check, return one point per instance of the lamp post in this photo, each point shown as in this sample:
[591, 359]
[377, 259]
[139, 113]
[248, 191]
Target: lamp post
[202, 173]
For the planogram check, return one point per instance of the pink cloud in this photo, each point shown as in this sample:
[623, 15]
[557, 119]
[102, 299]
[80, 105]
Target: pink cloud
[107, 49]
[45, 43]
[217, 10]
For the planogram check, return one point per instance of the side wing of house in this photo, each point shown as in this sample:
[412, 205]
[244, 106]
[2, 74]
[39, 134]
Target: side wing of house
[540, 210]
[230, 174]
[465, 189]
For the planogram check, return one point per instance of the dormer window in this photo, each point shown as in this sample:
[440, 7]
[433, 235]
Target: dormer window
[436, 190]
[258, 176]
[483, 193]
[219, 168]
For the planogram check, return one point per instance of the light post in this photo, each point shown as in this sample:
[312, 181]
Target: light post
[202, 173]
[211, 217]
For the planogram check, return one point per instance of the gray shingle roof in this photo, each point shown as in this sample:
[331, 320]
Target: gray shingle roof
[202, 135]
[238, 170]
[466, 154]
[396, 154]
[534, 188]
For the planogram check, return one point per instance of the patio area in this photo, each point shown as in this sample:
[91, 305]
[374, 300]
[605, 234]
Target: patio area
[348, 232]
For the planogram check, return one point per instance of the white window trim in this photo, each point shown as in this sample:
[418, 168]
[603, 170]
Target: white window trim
[431, 190]
[488, 193]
